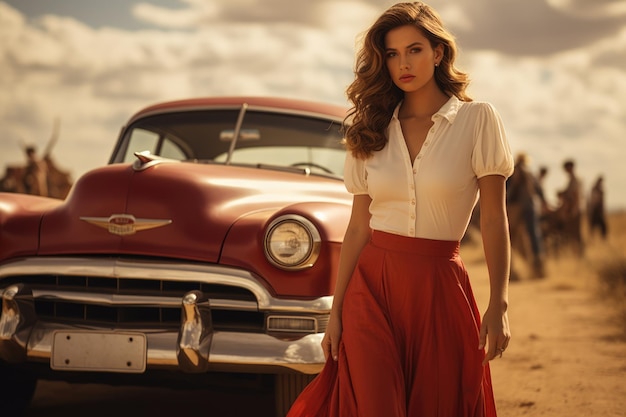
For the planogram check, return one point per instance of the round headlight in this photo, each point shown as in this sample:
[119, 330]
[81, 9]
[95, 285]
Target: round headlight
[292, 242]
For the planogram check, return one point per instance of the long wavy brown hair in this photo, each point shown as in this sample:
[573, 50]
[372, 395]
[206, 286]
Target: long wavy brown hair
[374, 95]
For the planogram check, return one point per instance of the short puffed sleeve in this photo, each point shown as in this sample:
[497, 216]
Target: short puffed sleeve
[355, 175]
[491, 154]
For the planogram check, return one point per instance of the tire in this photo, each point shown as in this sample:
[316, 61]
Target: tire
[287, 387]
[18, 387]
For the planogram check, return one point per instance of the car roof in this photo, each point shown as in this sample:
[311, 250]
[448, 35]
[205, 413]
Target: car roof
[276, 104]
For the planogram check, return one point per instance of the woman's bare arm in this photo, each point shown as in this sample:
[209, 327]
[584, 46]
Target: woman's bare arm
[497, 246]
[356, 237]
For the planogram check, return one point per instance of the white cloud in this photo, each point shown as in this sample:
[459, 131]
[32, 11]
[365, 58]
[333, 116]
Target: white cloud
[201, 13]
[454, 16]
[176, 19]
[560, 107]
[95, 79]
[555, 106]
[535, 27]
[593, 9]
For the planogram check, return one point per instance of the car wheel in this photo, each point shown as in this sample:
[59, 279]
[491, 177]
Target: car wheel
[17, 389]
[287, 387]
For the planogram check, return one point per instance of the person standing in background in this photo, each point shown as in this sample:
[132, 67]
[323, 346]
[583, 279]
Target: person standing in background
[544, 207]
[524, 199]
[595, 210]
[36, 173]
[570, 209]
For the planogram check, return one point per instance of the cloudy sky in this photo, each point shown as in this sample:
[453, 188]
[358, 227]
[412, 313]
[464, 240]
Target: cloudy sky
[555, 69]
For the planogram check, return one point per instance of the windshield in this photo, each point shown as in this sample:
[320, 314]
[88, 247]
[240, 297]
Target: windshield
[264, 139]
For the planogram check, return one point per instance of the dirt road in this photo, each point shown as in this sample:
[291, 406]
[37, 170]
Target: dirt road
[567, 356]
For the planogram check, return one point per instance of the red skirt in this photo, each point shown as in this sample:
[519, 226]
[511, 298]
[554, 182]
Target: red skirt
[410, 338]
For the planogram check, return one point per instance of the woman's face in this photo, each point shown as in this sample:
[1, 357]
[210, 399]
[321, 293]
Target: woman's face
[410, 58]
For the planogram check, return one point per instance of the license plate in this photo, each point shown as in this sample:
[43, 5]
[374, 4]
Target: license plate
[98, 351]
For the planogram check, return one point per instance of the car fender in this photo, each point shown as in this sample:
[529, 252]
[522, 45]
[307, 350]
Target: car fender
[244, 243]
[20, 219]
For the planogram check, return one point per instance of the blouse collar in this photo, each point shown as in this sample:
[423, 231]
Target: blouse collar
[449, 110]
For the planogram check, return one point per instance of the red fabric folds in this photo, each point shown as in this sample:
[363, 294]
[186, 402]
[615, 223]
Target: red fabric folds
[410, 339]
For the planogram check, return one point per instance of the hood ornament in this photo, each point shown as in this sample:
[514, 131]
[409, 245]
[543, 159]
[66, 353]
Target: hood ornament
[125, 224]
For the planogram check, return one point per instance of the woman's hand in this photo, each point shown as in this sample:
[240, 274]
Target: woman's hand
[330, 342]
[495, 329]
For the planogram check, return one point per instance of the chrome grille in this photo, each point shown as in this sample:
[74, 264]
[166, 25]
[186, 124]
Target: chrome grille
[155, 302]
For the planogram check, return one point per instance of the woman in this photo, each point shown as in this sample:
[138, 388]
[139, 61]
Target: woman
[405, 337]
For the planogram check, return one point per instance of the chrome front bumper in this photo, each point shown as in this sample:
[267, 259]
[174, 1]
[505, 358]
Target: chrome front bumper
[193, 347]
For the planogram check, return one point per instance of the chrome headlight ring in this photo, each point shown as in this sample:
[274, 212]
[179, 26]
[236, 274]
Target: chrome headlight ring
[292, 242]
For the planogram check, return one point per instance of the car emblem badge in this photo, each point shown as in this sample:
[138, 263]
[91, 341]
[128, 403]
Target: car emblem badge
[125, 224]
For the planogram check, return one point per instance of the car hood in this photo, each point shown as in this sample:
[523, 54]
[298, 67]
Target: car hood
[179, 210]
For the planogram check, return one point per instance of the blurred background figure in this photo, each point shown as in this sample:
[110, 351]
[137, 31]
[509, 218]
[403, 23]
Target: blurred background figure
[571, 195]
[541, 176]
[569, 211]
[13, 182]
[525, 201]
[595, 209]
[36, 173]
[40, 175]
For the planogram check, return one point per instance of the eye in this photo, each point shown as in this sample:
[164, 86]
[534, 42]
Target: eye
[391, 54]
[416, 50]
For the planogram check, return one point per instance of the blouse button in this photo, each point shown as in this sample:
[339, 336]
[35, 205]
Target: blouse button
[432, 130]
[412, 201]
[419, 156]
[415, 171]
[426, 143]
[413, 216]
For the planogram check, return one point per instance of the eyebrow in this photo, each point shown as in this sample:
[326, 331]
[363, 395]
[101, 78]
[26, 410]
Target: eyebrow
[418, 43]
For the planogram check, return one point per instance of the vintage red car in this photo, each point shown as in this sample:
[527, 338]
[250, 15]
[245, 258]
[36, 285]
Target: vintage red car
[204, 252]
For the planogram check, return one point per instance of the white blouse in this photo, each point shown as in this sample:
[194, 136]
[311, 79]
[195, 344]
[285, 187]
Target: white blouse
[432, 197]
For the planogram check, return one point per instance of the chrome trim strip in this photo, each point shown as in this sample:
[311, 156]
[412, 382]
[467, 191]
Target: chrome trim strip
[135, 300]
[162, 270]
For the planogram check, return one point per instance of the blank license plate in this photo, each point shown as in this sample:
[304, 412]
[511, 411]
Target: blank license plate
[98, 351]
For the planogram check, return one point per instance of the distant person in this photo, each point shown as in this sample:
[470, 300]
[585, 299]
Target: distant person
[549, 222]
[524, 198]
[571, 195]
[36, 174]
[596, 212]
[543, 202]
[570, 207]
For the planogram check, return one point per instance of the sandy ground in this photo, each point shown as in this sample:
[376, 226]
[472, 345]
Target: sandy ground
[567, 355]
